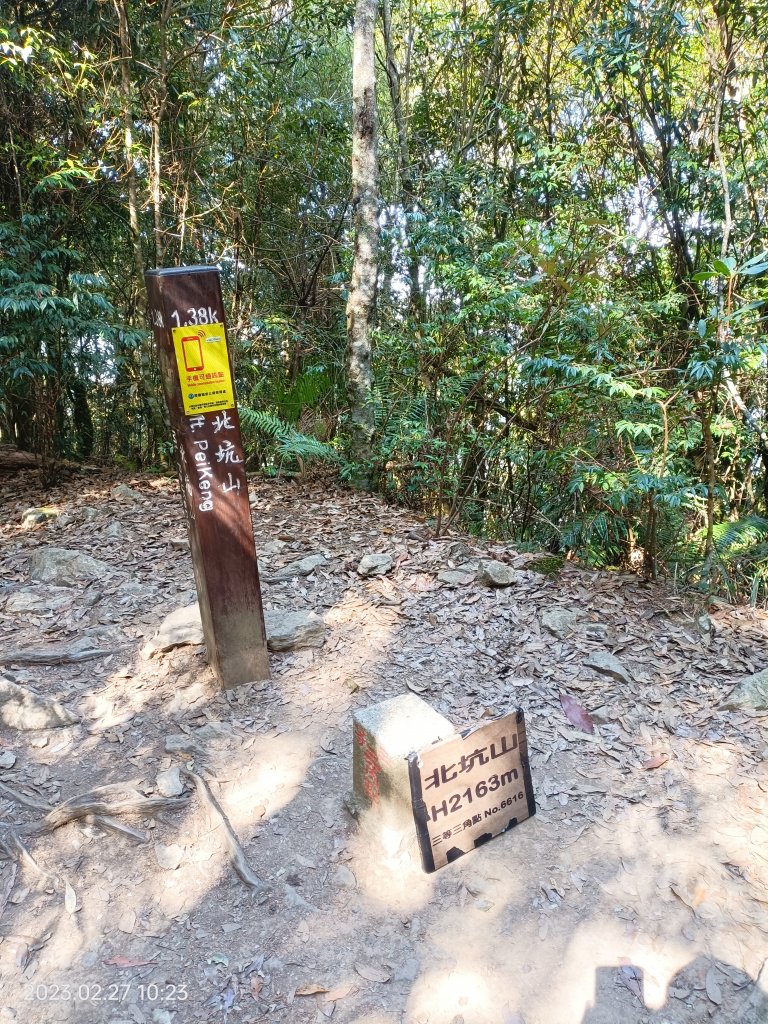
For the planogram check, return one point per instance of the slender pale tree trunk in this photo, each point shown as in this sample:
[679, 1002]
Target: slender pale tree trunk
[153, 412]
[365, 200]
[130, 166]
[417, 303]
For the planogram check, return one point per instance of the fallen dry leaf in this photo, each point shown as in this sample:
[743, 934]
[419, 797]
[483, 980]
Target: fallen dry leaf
[127, 922]
[70, 898]
[127, 961]
[713, 987]
[690, 896]
[655, 762]
[310, 989]
[373, 973]
[340, 992]
[576, 714]
[256, 985]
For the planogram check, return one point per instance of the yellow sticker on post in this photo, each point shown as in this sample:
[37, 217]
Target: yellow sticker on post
[203, 362]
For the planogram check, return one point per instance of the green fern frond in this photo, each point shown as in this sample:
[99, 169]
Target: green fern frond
[741, 534]
[289, 442]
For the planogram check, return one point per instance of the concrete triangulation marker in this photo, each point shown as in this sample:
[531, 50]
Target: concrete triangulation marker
[415, 778]
[384, 736]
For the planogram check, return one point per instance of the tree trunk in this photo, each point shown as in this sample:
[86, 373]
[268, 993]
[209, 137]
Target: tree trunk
[156, 428]
[417, 303]
[130, 166]
[365, 200]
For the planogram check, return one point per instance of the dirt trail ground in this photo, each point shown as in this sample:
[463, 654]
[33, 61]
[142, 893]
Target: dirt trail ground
[639, 891]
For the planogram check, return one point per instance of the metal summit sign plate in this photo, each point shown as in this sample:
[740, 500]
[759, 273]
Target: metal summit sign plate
[469, 788]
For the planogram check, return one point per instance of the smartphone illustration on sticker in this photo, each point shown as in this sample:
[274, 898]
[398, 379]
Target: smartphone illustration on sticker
[193, 352]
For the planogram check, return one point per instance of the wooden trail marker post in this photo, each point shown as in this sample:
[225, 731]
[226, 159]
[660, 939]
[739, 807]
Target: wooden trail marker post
[187, 317]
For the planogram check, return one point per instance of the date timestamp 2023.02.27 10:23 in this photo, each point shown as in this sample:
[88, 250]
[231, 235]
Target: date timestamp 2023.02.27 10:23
[114, 993]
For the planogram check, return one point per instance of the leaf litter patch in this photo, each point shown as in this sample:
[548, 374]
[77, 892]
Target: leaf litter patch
[652, 796]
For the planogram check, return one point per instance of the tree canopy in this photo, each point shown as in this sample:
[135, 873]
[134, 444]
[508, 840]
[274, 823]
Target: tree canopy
[569, 323]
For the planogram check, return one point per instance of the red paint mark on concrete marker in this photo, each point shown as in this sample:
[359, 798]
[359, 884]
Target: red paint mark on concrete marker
[371, 766]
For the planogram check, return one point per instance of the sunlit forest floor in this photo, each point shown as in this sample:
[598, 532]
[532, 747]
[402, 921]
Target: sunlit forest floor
[638, 892]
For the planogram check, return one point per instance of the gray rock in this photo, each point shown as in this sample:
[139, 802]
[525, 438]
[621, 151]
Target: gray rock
[180, 628]
[39, 600]
[168, 783]
[561, 622]
[608, 665]
[301, 567]
[374, 565]
[288, 631]
[495, 574]
[169, 857]
[751, 694]
[114, 531]
[344, 877]
[180, 743]
[459, 552]
[705, 625]
[214, 731]
[35, 516]
[65, 566]
[7, 759]
[456, 577]
[82, 649]
[21, 708]
[273, 547]
[124, 491]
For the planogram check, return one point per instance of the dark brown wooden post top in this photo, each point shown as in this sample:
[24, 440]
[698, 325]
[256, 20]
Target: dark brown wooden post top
[187, 317]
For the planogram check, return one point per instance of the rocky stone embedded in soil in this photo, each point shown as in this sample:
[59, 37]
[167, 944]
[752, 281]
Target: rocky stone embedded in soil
[459, 552]
[374, 565]
[169, 857]
[65, 566]
[113, 531]
[39, 600]
[289, 631]
[561, 622]
[124, 491]
[495, 574]
[82, 649]
[456, 577]
[36, 516]
[608, 665]
[7, 759]
[180, 743]
[301, 567]
[21, 708]
[344, 878]
[286, 631]
[751, 694]
[180, 628]
[168, 783]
